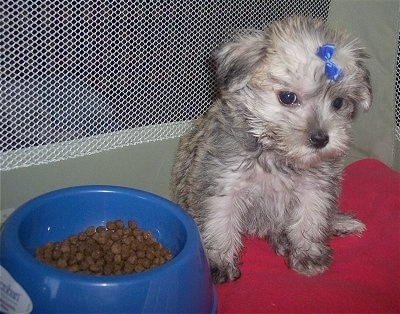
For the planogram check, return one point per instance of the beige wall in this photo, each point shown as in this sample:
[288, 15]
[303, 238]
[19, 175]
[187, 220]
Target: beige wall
[375, 23]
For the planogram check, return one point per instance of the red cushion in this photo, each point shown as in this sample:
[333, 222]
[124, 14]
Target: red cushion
[364, 275]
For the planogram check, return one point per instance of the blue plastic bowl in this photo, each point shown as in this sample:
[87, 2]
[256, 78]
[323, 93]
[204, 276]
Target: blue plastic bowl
[182, 285]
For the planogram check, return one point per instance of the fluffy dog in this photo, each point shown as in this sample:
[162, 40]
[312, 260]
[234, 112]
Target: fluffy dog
[266, 160]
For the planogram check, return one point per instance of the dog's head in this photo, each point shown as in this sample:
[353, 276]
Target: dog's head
[298, 85]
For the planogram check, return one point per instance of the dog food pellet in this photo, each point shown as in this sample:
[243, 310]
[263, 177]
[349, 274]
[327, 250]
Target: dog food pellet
[112, 249]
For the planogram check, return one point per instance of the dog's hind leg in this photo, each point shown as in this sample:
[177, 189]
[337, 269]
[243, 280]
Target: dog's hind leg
[344, 224]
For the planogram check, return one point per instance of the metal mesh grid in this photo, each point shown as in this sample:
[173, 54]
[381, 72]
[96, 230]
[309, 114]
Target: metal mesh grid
[79, 77]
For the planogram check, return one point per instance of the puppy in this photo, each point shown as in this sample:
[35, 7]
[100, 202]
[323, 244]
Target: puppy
[266, 160]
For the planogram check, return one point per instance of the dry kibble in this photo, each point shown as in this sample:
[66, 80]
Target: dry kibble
[94, 268]
[132, 259]
[150, 255]
[116, 248]
[146, 263]
[74, 268]
[108, 269]
[139, 268]
[72, 239]
[129, 268]
[90, 230]
[84, 265]
[115, 236]
[65, 248]
[96, 254]
[101, 229]
[80, 256]
[126, 240]
[147, 235]
[137, 232]
[56, 253]
[62, 263]
[117, 259]
[141, 254]
[132, 224]
[125, 252]
[119, 224]
[111, 225]
[112, 249]
[109, 257]
[72, 261]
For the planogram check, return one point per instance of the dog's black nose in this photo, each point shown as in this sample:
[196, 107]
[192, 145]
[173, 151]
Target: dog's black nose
[319, 139]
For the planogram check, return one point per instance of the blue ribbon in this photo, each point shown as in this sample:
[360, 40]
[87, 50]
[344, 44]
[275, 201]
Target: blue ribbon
[332, 71]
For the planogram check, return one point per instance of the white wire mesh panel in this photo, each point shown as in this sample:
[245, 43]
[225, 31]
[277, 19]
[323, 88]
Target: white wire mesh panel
[79, 77]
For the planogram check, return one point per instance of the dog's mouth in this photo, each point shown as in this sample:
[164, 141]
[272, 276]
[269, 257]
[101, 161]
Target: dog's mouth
[316, 156]
[303, 156]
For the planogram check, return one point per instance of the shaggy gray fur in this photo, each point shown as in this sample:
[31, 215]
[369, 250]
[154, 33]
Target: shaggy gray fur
[266, 160]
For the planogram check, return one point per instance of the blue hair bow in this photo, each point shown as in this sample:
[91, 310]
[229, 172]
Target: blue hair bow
[332, 71]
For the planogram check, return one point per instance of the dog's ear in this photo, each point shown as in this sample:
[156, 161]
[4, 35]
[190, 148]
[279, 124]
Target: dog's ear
[366, 90]
[358, 82]
[236, 61]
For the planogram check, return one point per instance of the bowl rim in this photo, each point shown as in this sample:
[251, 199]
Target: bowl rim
[10, 231]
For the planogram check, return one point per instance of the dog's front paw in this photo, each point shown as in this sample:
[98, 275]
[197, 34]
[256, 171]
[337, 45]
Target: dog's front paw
[344, 224]
[280, 243]
[221, 274]
[310, 264]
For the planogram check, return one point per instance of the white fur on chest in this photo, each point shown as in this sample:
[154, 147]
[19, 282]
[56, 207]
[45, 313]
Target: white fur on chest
[260, 198]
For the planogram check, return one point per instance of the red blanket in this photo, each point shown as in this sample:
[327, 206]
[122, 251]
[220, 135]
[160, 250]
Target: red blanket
[365, 272]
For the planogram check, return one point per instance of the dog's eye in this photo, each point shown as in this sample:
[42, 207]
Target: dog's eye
[287, 98]
[337, 103]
